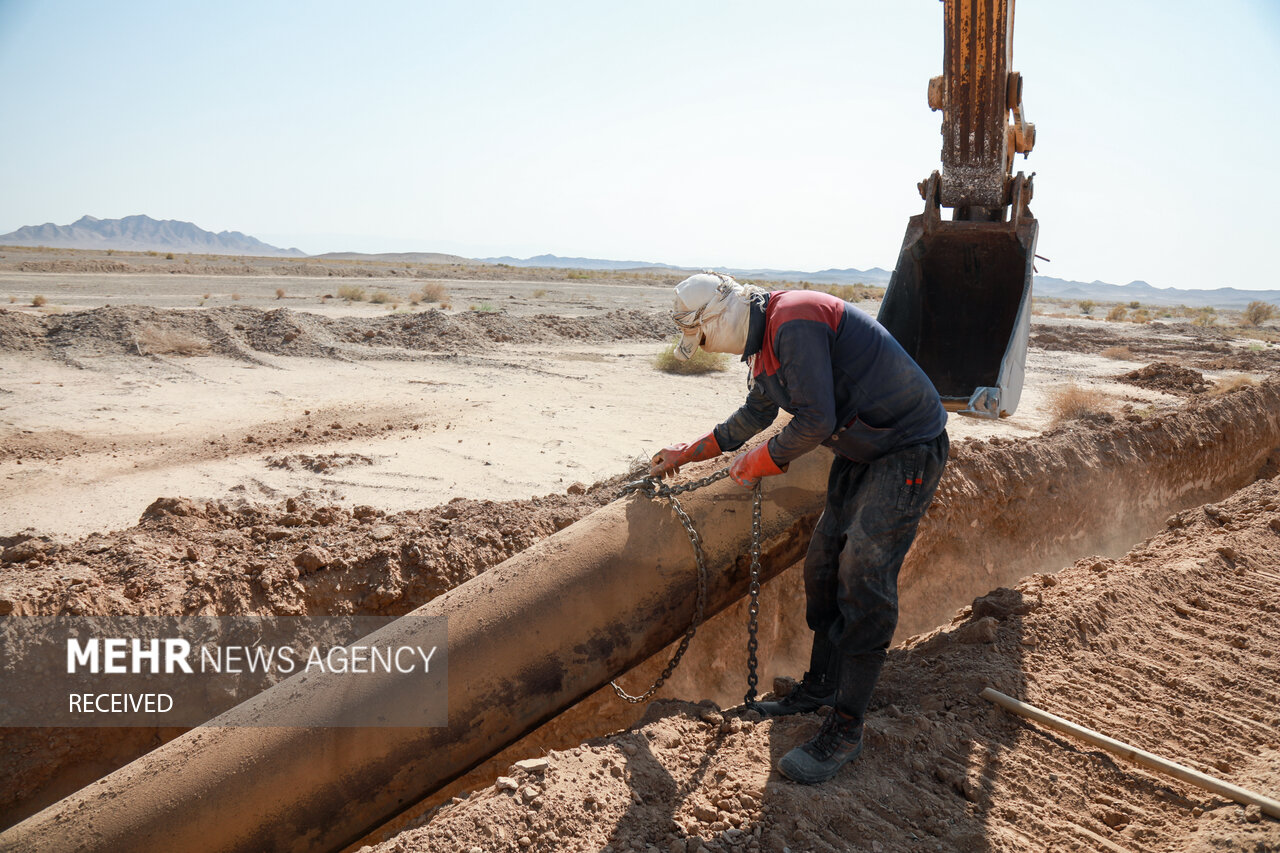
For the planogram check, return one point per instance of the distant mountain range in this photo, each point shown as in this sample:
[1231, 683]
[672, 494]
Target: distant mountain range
[1140, 291]
[1098, 291]
[142, 234]
[397, 257]
[875, 275]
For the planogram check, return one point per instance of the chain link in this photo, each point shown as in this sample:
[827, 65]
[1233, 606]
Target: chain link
[655, 488]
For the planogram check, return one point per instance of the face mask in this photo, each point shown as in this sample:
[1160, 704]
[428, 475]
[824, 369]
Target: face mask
[713, 312]
[727, 331]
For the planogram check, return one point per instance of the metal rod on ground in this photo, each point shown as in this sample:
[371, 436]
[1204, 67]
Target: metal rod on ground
[1146, 759]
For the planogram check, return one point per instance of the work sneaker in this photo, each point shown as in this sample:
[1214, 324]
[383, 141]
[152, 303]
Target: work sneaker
[805, 698]
[838, 742]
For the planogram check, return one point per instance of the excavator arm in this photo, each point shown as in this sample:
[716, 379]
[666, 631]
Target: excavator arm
[959, 300]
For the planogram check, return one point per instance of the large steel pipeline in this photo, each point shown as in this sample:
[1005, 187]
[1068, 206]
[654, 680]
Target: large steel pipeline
[526, 640]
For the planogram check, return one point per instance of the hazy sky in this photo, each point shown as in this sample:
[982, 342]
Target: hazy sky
[705, 134]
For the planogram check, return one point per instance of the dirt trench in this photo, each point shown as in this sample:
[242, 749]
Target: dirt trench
[1171, 647]
[1005, 510]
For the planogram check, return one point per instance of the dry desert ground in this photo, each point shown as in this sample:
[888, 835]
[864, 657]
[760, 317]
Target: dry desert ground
[174, 434]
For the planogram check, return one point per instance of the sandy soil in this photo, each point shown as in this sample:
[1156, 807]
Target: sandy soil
[401, 448]
[419, 407]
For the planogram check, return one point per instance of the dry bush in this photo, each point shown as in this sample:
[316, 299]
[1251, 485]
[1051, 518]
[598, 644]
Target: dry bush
[1232, 383]
[351, 293]
[1140, 316]
[206, 296]
[1258, 313]
[1071, 402]
[701, 361]
[1117, 314]
[235, 297]
[279, 293]
[1206, 317]
[1087, 306]
[39, 301]
[1118, 353]
[151, 340]
[539, 293]
[380, 297]
[848, 292]
[169, 256]
[432, 291]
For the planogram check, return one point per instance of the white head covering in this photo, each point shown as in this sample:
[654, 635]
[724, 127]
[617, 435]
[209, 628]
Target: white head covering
[714, 306]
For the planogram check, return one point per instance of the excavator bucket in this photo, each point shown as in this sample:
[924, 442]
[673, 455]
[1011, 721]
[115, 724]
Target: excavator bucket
[959, 300]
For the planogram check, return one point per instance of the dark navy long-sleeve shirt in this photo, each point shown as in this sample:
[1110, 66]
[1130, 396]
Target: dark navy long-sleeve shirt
[845, 380]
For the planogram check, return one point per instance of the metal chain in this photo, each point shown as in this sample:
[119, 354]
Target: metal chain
[655, 488]
[753, 609]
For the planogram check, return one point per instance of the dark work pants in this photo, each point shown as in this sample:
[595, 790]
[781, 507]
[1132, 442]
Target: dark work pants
[851, 570]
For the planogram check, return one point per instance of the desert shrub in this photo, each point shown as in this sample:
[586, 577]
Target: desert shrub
[848, 292]
[169, 256]
[701, 361]
[39, 301]
[1232, 383]
[579, 275]
[1206, 317]
[380, 297]
[1135, 305]
[1258, 313]
[539, 293]
[1140, 316]
[484, 308]
[206, 296]
[235, 297]
[432, 291]
[1071, 402]
[279, 293]
[351, 293]
[1117, 314]
[1118, 353]
[1087, 306]
[151, 340]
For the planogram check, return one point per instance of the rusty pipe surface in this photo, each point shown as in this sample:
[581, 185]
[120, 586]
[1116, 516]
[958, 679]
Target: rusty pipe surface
[526, 640]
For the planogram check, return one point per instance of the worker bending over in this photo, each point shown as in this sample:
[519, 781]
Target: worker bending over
[851, 387]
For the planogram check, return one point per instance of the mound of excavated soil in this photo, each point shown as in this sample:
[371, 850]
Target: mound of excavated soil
[1206, 348]
[279, 563]
[1172, 648]
[241, 332]
[1170, 378]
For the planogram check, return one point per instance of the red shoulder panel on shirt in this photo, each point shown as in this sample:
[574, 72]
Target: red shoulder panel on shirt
[787, 305]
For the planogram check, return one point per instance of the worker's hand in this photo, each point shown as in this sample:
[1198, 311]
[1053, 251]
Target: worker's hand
[668, 460]
[749, 467]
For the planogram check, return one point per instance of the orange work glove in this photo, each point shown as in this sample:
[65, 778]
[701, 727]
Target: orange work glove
[669, 459]
[748, 468]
